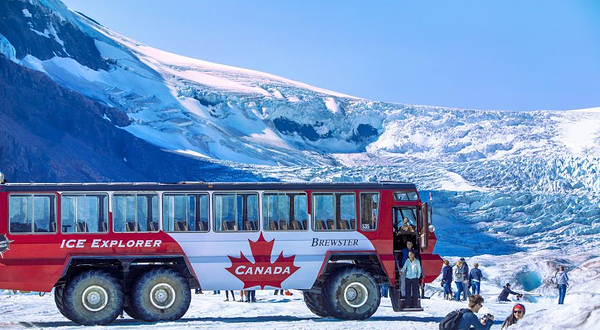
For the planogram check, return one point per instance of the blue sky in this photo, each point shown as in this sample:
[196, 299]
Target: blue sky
[508, 54]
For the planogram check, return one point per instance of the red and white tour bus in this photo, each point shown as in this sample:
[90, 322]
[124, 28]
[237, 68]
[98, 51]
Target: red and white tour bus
[141, 247]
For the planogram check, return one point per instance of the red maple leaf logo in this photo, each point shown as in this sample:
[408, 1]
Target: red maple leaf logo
[262, 271]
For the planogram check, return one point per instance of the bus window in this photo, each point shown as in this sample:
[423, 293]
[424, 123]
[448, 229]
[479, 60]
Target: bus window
[185, 212]
[83, 213]
[135, 213]
[405, 196]
[334, 211]
[369, 211]
[235, 212]
[32, 214]
[284, 211]
[405, 220]
[301, 210]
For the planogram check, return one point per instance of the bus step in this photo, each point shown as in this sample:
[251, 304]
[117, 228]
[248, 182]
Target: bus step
[398, 303]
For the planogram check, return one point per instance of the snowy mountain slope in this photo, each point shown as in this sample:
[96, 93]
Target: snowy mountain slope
[226, 113]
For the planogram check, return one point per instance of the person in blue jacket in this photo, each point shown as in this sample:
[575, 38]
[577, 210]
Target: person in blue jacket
[469, 320]
[409, 248]
[447, 280]
[475, 277]
[412, 272]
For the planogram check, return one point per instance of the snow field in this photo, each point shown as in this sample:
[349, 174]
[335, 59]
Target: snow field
[209, 311]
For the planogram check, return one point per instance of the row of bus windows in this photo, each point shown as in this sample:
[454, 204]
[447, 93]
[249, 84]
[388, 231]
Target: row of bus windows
[190, 212]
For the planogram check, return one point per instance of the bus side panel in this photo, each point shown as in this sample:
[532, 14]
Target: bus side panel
[213, 257]
[36, 262]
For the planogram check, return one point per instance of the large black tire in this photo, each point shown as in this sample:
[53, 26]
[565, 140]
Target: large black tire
[59, 293]
[314, 302]
[160, 294]
[351, 293]
[93, 298]
[129, 310]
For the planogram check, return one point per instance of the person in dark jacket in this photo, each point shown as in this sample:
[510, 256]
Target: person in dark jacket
[465, 269]
[447, 280]
[475, 277]
[518, 312]
[469, 320]
[506, 291]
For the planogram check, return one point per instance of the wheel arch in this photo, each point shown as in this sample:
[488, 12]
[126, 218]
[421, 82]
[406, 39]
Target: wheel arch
[127, 268]
[368, 260]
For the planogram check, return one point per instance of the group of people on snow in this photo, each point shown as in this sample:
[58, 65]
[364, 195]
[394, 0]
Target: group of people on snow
[467, 282]
[466, 318]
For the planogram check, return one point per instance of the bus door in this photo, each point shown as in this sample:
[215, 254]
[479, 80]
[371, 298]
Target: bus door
[405, 230]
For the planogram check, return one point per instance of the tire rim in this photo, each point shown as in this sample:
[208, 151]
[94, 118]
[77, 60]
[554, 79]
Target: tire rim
[356, 294]
[94, 298]
[162, 296]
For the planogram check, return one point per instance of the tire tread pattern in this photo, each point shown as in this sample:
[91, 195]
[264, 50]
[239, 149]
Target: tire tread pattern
[78, 314]
[145, 310]
[314, 302]
[333, 295]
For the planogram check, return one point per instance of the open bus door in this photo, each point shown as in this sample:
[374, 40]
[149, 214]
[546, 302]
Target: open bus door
[424, 230]
[406, 230]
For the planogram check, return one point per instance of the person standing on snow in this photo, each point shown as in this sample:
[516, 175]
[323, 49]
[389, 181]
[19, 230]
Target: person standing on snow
[517, 313]
[562, 281]
[409, 248]
[465, 270]
[447, 280]
[412, 272]
[458, 279]
[475, 277]
[506, 291]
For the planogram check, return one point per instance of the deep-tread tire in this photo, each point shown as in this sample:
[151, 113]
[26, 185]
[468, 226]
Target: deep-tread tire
[314, 302]
[91, 280]
[130, 311]
[59, 293]
[341, 288]
[143, 305]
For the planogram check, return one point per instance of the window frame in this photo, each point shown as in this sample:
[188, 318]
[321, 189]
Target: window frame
[33, 232]
[314, 220]
[107, 211]
[360, 209]
[186, 193]
[280, 192]
[406, 193]
[136, 193]
[236, 193]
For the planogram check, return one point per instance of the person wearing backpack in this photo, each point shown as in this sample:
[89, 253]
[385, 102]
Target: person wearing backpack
[465, 319]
